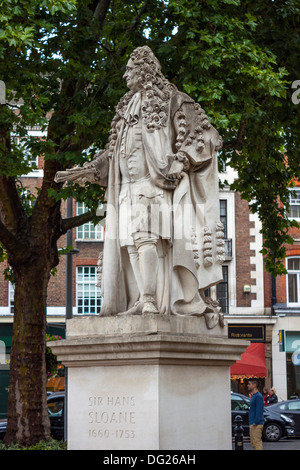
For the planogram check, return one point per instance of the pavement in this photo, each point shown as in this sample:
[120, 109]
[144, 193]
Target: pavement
[282, 444]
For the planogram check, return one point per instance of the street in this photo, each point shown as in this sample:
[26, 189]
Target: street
[282, 444]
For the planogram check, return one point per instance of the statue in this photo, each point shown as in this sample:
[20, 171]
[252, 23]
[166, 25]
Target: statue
[164, 242]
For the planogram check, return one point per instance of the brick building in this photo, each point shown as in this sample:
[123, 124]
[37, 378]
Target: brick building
[286, 332]
[267, 310]
[249, 313]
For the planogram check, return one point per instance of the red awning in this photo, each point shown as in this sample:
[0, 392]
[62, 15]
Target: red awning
[252, 363]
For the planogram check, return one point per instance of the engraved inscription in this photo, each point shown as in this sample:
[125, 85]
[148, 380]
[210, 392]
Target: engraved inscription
[111, 417]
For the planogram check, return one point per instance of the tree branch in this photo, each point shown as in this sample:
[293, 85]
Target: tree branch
[6, 237]
[237, 143]
[100, 12]
[13, 246]
[11, 211]
[133, 25]
[77, 220]
[44, 203]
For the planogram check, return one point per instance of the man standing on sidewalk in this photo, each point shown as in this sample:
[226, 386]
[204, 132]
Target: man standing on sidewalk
[256, 415]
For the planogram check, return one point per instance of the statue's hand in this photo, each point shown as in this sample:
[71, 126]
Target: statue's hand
[90, 171]
[89, 166]
[176, 170]
[77, 174]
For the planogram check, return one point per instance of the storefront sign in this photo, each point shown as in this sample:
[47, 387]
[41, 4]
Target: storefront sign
[247, 332]
[281, 341]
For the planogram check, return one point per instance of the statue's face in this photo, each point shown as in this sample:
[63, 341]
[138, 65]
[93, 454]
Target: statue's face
[131, 76]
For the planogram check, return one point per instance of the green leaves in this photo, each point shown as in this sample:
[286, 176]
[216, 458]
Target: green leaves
[20, 21]
[17, 36]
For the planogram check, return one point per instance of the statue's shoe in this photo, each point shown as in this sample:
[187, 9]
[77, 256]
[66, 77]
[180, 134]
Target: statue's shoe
[137, 309]
[150, 307]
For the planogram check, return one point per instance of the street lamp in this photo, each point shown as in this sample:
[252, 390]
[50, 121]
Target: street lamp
[69, 302]
[69, 265]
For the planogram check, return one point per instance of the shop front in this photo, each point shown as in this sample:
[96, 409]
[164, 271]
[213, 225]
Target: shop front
[286, 356]
[292, 340]
[252, 362]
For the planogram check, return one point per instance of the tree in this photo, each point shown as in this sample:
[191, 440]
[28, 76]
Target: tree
[55, 70]
[62, 62]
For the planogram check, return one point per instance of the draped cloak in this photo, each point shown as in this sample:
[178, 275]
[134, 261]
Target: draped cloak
[190, 261]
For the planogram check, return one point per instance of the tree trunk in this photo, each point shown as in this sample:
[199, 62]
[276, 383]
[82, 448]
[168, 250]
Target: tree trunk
[28, 421]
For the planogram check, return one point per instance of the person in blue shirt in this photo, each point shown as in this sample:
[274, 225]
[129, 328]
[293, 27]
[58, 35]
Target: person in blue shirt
[256, 414]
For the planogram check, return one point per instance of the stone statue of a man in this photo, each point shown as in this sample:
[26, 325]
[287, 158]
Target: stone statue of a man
[164, 242]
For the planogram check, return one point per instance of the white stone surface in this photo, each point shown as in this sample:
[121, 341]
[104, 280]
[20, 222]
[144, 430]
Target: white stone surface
[157, 407]
[152, 382]
[91, 326]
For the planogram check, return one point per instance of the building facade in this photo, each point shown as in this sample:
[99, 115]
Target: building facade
[249, 314]
[286, 332]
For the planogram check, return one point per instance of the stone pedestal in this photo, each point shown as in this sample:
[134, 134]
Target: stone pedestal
[152, 382]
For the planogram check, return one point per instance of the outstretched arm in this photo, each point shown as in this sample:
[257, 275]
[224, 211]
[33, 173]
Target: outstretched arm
[95, 171]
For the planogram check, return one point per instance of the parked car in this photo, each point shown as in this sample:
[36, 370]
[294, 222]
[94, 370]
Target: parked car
[290, 408]
[3, 424]
[55, 402]
[56, 407]
[277, 424]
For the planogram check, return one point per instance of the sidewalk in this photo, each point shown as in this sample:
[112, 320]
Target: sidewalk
[282, 444]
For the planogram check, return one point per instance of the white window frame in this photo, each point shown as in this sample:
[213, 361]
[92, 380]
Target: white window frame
[86, 286]
[297, 273]
[294, 202]
[11, 297]
[84, 232]
[2, 352]
[32, 162]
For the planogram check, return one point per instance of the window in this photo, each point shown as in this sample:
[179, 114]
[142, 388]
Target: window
[238, 404]
[293, 281]
[20, 143]
[88, 231]
[88, 294]
[294, 405]
[28, 200]
[11, 297]
[294, 212]
[223, 215]
[222, 291]
[224, 220]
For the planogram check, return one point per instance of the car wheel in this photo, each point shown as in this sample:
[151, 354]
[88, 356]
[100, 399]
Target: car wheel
[272, 432]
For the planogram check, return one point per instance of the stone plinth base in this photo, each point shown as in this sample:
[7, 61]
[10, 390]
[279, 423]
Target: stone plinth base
[150, 382]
